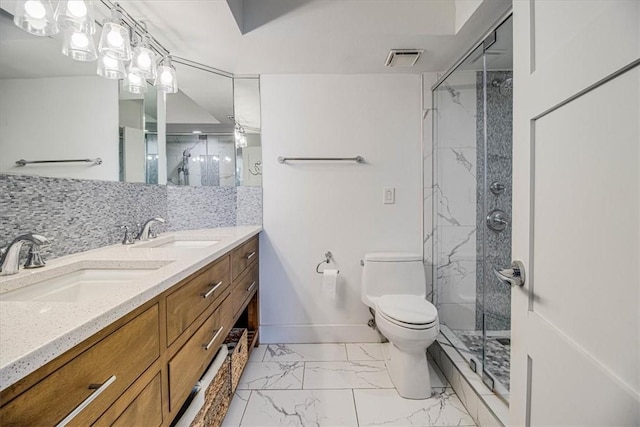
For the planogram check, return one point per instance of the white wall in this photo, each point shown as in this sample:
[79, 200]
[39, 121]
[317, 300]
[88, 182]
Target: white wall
[311, 208]
[60, 118]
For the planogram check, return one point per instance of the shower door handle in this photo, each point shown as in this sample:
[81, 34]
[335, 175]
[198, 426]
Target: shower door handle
[513, 276]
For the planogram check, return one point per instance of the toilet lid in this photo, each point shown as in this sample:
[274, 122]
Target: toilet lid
[411, 309]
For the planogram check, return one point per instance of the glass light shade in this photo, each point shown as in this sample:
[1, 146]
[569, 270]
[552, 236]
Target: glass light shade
[241, 142]
[110, 68]
[134, 83]
[143, 62]
[76, 15]
[36, 17]
[114, 41]
[166, 80]
[79, 46]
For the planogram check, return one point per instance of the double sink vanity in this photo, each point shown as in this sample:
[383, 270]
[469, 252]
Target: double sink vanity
[120, 335]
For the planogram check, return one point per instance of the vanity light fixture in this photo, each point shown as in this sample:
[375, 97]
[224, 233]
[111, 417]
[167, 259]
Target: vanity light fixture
[196, 132]
[134, 82]
[79, 46]
[36, 17]
[114, 41]
[166, 80]
[76, 18]
[110, 68]
[76, 15]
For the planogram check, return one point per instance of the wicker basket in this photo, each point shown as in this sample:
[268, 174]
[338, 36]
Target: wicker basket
[238, 354]
[216, 400]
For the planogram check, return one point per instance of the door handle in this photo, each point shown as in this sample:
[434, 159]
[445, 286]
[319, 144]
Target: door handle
[513, 276]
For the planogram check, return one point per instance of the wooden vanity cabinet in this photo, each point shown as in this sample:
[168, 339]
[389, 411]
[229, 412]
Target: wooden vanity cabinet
[140, 369]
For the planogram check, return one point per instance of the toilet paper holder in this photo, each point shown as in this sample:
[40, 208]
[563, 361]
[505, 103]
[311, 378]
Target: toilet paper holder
[327, 259]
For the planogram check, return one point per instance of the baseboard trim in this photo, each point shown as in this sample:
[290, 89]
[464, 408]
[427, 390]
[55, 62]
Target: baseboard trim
[307, 334]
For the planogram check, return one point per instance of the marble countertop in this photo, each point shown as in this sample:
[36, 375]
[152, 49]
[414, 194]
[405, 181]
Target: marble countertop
[34, 333]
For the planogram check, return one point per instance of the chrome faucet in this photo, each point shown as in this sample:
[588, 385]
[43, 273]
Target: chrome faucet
[10, 256]
[145, 232]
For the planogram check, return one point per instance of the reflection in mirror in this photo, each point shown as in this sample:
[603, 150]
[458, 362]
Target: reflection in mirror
[200, 141]
[246, 93]
[138, 144]
[53, 108]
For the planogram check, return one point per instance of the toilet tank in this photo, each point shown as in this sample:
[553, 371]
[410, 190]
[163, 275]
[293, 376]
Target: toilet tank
[386, 273]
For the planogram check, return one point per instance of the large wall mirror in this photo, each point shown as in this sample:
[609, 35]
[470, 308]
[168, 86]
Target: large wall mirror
[55, 108]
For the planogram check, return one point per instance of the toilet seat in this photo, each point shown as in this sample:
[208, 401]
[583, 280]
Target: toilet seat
[408, 311]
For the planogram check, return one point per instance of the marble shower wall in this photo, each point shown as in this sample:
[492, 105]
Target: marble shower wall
[79, 215]
[496, 251]
[455, 198]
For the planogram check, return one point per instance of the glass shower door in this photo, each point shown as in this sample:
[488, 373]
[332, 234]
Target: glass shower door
[494, 219]
[472, 121]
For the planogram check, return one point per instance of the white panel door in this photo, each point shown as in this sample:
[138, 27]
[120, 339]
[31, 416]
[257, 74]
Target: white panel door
[576, 213]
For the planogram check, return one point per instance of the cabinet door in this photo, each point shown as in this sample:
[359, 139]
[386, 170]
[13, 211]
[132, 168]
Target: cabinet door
[97, 376]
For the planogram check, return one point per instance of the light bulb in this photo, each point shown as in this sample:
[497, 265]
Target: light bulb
[144, 60]
[35, 9]
[166, 78]
[114, 38]
[80, 40]
[77, 8]
[109, 62]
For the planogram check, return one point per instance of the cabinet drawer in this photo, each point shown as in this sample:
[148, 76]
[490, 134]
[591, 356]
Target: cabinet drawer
[146, 408]
[243, 256]
[192, 299]
[123, 355]
[244, 287]
[188, 365]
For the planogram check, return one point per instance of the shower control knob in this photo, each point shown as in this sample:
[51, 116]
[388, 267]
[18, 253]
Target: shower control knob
[497, 220]
[513, 276]
[497, 187]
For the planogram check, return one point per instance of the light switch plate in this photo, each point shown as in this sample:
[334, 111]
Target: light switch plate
[389, 195]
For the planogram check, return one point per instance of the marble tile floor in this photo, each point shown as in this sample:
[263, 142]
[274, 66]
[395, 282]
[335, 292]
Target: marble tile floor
[334, 385]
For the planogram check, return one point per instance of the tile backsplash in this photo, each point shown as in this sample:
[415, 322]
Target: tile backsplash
[78, 215]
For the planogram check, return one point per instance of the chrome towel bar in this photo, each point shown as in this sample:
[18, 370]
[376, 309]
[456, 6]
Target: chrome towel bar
[357, 159]
[23, 162]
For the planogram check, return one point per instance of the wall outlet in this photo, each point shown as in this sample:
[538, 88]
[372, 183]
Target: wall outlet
[389, 195]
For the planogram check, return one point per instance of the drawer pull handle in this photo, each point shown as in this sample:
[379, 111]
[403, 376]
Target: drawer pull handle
[208, 346]
[251, 255]
[99, 388]
[253, 285]
[212, 290]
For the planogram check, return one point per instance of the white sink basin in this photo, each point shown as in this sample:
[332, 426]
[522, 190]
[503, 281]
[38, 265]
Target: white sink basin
[89, 284]
[179, 243]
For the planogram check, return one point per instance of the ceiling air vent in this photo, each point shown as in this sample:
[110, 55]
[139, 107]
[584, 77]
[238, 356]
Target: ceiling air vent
[403, 57]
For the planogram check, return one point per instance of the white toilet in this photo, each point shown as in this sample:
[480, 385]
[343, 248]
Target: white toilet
[394, 285]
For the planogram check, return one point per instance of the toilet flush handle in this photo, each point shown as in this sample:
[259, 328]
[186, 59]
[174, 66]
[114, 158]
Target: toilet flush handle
[513, 276]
